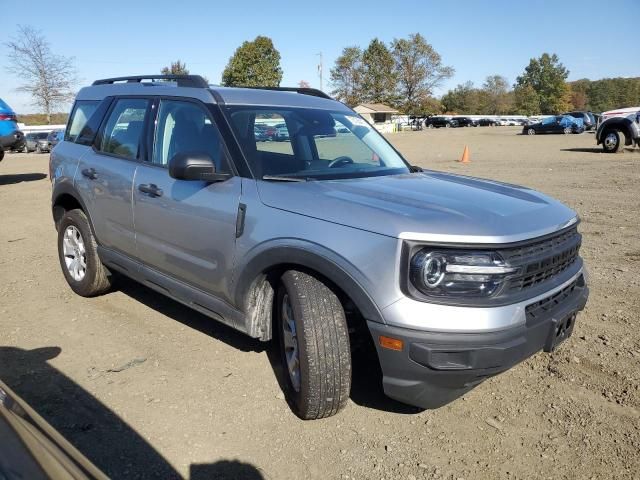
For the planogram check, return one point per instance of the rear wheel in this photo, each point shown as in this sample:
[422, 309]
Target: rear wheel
[567, 130]
[314, 345]
[611, 141]
[1, 153]
[78, 254]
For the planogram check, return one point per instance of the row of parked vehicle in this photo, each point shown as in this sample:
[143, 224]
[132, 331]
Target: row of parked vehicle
[586, 119]
[13, 139]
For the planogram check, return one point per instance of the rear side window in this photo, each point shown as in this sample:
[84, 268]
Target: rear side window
[123, 130]
[80, 115]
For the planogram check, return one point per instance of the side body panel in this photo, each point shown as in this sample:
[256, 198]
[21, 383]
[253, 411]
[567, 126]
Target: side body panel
[108, 198]
[189, 231]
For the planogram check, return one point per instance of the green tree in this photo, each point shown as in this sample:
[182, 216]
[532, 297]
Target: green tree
[176, 68]
[379, 78]
[419, 70]
[462, 99]
[346, 76]
[526, 100]
[495, 98]
[254, 64]
[547, 76]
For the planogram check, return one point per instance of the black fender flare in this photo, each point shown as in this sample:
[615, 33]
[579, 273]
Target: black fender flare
[310, 256]
[63, 188]
[621, 124]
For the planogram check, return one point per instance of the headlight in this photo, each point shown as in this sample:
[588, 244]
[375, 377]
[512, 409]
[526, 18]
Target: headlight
[441, 273]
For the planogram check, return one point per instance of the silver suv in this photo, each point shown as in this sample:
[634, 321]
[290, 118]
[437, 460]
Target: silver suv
[322, 240]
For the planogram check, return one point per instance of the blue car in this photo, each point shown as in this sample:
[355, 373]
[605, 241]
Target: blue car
[10, 137]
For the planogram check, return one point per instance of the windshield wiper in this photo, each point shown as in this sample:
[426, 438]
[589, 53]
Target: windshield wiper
[283, 178]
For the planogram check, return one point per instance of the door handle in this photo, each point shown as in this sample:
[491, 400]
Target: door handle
[90, 173]
[150, 189]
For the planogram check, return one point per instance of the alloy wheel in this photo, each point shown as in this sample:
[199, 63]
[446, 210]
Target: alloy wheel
[75, 256]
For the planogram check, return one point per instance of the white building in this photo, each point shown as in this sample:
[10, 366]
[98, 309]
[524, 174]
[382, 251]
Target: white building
[378, 115]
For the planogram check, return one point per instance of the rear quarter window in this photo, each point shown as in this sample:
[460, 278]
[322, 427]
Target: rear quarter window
[80, 115]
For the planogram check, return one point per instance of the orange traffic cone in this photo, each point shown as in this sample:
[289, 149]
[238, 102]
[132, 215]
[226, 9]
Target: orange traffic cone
[465, 155]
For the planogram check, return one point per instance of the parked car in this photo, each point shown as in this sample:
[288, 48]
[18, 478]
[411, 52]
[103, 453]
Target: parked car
[36, 142]
[331, 244]
[558, 124]
[54, 138]
[11, 138]
[31, 448]
[587, 119]
[616, 131]
[463, 122]
[487, 122]
[438, 122]
[282, 132]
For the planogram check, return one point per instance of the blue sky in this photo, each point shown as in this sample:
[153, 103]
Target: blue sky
[114, 38]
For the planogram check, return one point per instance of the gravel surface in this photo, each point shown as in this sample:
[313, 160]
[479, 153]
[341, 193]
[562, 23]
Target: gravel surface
[148, 388]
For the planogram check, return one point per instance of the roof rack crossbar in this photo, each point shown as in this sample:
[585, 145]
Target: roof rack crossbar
[314, 92]
[195, 81]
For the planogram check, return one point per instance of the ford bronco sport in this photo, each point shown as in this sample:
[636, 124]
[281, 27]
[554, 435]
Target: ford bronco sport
[316, 241]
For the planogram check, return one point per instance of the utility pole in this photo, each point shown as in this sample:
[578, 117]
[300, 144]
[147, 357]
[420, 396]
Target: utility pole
[320, 69]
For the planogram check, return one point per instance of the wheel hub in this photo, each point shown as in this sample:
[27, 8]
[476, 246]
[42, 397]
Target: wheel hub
[290, 340]
[611, 140]
[75, 257]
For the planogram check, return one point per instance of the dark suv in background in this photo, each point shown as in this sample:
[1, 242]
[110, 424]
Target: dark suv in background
[438, 122]
[588, 119]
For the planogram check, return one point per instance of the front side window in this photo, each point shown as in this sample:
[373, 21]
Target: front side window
[80, 115]
[124, 127]
[185, 127]
[318, 144]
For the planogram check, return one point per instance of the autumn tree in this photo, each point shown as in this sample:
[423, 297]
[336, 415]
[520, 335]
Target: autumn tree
[254, 64]
[379, 77]
[346, 76]
[419, 70]
[176, 68]
[462, 99]
[526, 100]
[47, 77]
[495, 97]
[547, 76]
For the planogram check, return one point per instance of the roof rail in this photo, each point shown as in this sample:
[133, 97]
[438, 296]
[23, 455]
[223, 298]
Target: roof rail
[182, 80]
[314, 92]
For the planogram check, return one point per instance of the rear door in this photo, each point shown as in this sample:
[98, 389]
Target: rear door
[105, 174]
[186, 229]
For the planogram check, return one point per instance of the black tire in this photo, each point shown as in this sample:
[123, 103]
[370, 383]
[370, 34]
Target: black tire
[322, 341]
[531, 131]
[611, 141]
[97, 279]
[1, 153]
[38, 149]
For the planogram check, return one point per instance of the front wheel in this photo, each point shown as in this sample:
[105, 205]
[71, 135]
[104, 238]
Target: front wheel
[567, 130]
[531, 131]
[78, 254]
[38, 149]
[314, 345]
[1, 153]
[611, 141]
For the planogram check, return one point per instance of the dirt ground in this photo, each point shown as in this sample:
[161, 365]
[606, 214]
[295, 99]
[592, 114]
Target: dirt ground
[148, 388]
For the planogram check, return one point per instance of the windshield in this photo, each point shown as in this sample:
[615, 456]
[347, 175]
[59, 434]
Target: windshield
[299, 143]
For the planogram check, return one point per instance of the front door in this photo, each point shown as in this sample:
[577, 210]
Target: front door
[105, 175]
[186, 228]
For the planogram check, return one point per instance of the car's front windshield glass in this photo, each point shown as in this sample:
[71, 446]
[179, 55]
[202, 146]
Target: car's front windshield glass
[300, 143]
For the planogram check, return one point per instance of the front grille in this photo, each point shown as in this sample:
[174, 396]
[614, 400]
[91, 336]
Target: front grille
[538, 311]
[542, 260]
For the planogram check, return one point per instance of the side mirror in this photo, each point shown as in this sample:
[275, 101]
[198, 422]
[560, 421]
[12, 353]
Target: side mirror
[195, 166]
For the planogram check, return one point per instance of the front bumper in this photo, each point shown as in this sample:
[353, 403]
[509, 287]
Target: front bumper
[434, 368]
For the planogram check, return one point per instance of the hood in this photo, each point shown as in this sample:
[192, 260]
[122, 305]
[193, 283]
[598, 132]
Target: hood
[428, 206]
